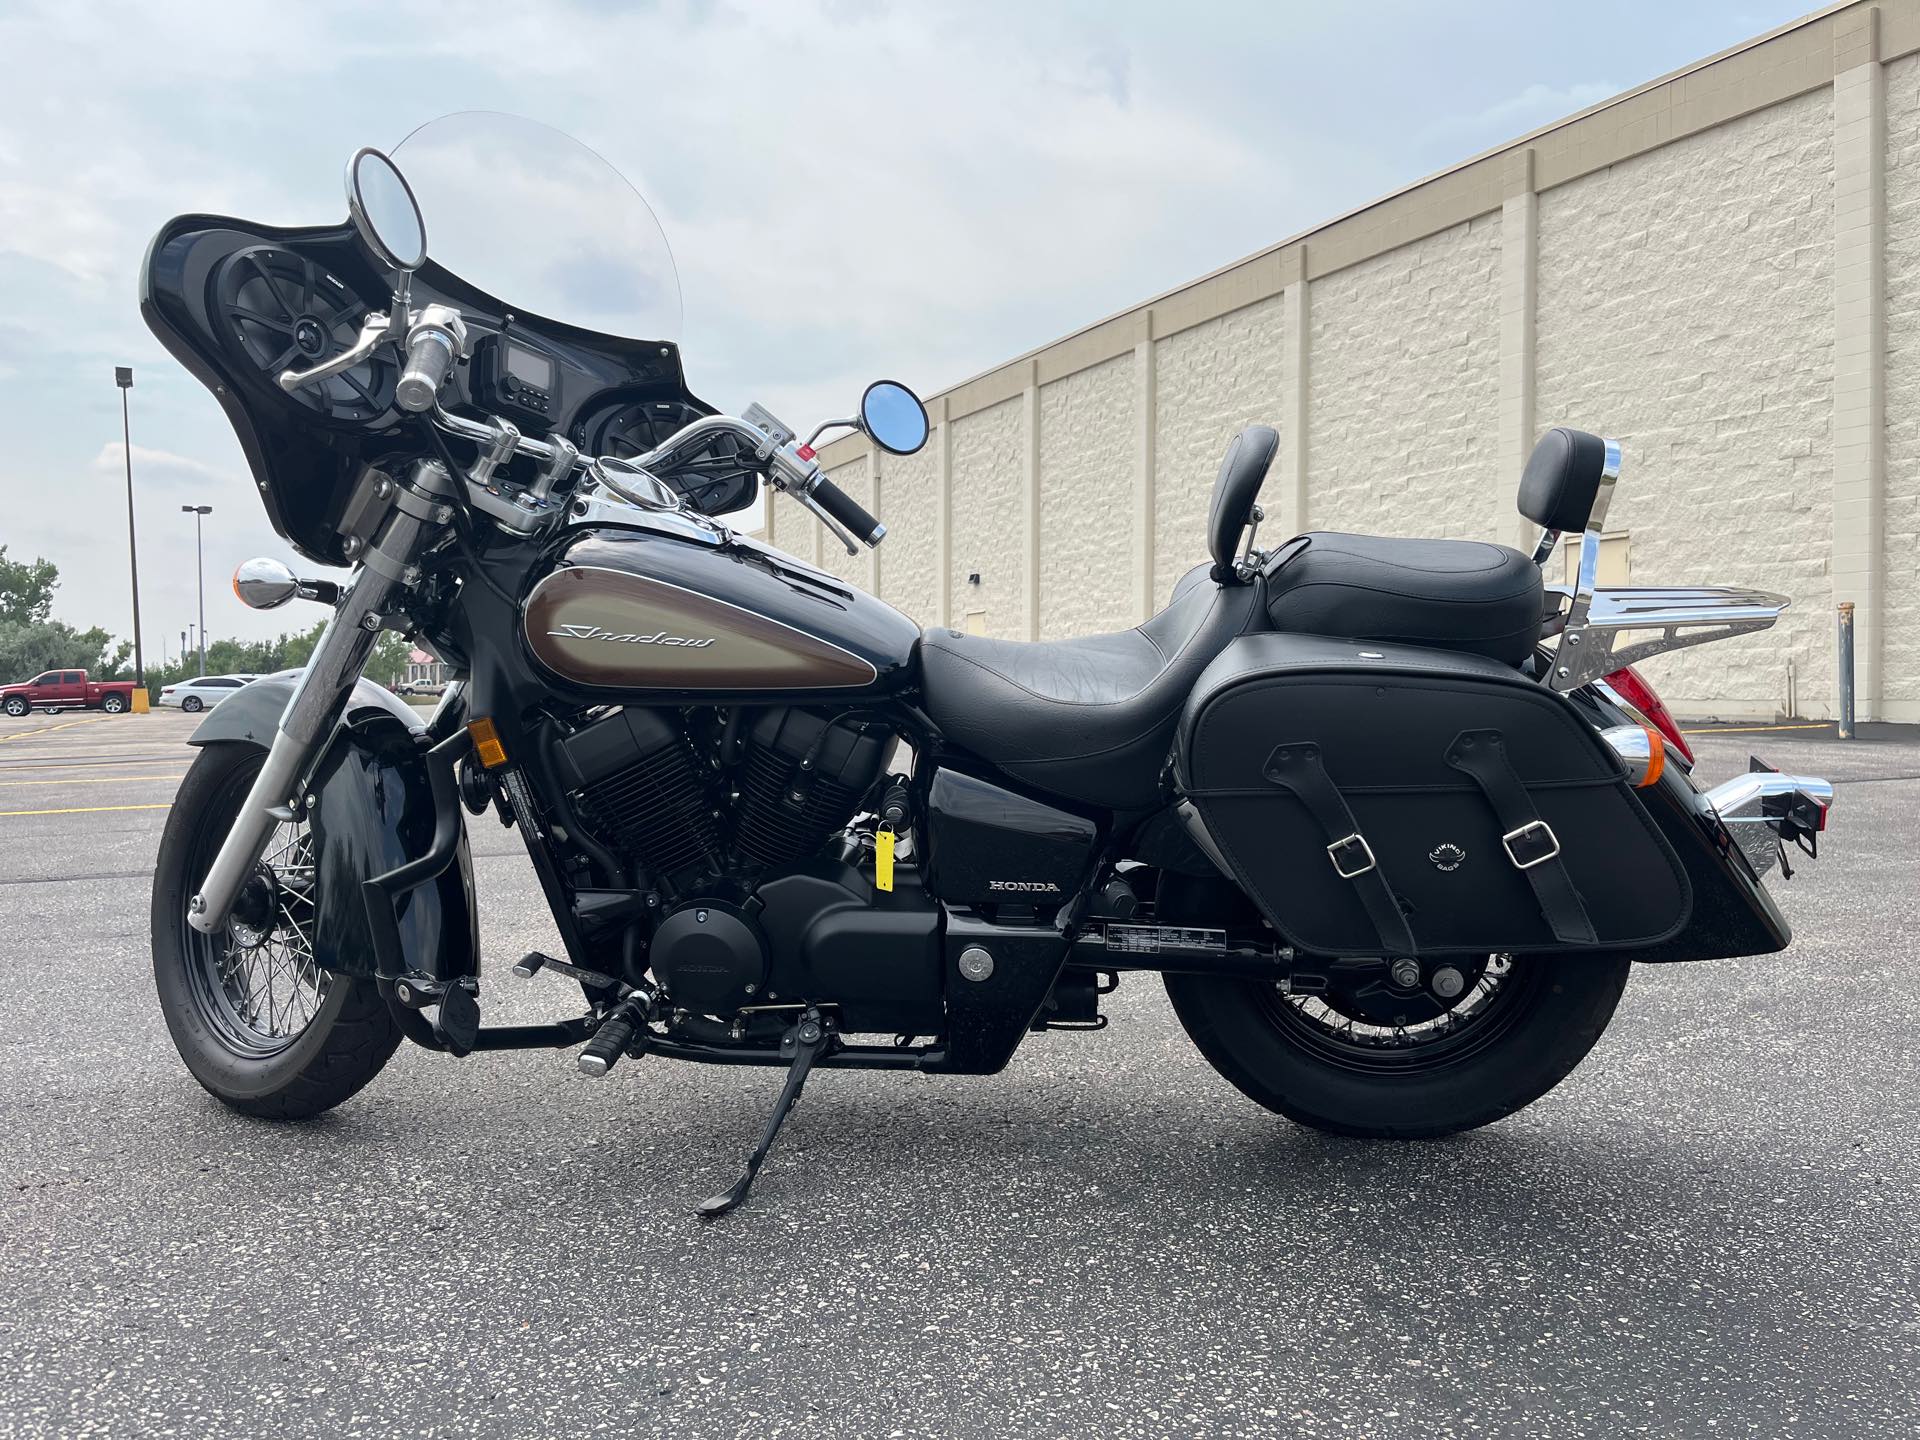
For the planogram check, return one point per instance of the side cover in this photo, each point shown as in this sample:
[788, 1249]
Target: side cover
[1380, 799]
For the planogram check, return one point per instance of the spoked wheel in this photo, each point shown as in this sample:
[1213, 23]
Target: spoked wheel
[259, 1024]
[257, 985]
[1370, 1057]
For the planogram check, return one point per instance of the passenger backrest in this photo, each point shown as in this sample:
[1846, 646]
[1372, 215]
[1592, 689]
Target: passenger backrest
[1562, 479]
[1235, 489]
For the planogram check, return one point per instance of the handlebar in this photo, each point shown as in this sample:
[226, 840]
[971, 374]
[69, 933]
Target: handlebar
[848, 511]
[437, 339]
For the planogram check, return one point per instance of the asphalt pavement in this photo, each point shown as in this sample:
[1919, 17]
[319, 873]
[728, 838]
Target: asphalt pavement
[1712, 1228]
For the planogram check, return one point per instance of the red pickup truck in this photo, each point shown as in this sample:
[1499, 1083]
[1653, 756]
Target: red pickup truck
[67, 690]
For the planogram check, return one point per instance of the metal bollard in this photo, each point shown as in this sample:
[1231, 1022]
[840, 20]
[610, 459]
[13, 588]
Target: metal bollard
[1846, 670]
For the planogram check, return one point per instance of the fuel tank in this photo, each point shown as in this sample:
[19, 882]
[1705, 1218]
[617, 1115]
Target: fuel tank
[635, 610]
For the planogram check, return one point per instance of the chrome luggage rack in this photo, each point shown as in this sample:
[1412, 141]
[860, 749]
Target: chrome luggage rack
[1619, 627]
[1602, 631]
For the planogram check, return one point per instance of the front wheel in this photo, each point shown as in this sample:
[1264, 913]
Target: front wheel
[260, 1025]
[16, 707]
[1371, 1058]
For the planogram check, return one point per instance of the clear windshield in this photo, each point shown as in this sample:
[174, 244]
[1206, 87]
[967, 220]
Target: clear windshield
[540, 222]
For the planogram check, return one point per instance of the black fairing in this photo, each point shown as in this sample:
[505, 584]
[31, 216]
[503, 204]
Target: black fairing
[305, 458]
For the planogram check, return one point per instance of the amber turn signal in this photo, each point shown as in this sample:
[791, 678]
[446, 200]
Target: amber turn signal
[486, 743]
[1641, 749]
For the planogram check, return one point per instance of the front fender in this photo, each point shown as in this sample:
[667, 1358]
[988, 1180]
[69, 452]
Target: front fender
[253, 711]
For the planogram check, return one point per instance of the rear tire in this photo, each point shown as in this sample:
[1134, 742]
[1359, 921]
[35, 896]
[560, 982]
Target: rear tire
[193, 704]
[1554, 1010]
[344, 1037]
[113, 704]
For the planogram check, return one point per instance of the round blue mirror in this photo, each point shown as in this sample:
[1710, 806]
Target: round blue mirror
[893, 417]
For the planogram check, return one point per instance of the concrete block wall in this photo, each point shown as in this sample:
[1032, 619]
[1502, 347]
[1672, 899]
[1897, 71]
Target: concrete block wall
[1902, 510]
[1721, 268]
[1686, 308]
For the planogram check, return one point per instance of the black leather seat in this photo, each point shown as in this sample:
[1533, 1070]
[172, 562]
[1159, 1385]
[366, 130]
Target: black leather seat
[1086, 719]
[1444, 594]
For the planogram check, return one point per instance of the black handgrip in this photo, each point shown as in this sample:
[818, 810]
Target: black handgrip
[848, 511]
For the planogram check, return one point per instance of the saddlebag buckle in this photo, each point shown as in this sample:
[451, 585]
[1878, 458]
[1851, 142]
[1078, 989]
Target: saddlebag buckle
[1534, 843]
[1352, 857]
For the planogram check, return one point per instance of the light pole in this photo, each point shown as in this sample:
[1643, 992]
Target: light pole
[200, 574]
[123, 377]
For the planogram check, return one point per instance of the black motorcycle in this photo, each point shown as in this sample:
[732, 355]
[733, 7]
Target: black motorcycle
[1391, 817]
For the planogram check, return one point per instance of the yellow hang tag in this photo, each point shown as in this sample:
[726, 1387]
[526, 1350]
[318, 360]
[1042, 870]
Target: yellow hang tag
[883, 859]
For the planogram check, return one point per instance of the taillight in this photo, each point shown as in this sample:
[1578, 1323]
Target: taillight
[1633, 688]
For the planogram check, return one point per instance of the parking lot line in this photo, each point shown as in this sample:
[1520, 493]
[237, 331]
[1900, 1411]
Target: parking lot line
[89, 809]
[91, 780]
[49, 729]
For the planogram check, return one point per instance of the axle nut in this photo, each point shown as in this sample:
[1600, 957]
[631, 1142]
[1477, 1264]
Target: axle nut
[1405, 973]
[975, 963]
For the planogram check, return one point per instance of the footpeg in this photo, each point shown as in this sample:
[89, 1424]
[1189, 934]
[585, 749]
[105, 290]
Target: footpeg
[806, 1042]
[614, 1037]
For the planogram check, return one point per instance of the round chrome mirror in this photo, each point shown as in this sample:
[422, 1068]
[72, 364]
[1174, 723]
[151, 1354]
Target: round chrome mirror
[385, 212]
[264, 584]
[893, 417]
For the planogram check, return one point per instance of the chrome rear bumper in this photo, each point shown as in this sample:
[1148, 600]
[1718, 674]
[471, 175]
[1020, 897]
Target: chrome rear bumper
[1764, 810]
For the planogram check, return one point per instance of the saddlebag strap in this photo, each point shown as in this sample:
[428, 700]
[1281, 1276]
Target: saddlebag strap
[1529, 841]
[1297, 767]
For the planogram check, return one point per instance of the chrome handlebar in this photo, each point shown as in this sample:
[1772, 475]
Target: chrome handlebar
[435, 337]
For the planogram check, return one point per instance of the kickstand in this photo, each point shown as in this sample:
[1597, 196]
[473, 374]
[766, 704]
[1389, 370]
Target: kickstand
[808, 1039]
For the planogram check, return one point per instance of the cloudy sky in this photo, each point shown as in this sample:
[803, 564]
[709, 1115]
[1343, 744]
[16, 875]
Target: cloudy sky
[852, 188]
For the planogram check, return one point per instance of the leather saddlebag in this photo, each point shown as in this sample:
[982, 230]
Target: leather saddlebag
[1384, 799]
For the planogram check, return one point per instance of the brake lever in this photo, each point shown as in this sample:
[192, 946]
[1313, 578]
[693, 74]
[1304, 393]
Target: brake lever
[373, 330]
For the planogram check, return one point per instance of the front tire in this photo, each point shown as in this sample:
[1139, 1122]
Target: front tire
[258, 1025]
[16, 707]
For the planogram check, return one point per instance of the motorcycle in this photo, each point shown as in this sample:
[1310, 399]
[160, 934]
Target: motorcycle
[1391, 818]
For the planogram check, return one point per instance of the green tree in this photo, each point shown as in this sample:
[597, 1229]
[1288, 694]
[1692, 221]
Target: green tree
[27, 648]
[26, 589]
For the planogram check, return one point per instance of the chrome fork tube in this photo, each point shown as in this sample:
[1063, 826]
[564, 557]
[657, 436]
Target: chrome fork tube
[318, 699]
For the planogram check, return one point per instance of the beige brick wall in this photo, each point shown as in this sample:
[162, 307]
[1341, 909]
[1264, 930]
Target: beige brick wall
[1209, 381]
[1403, 397]
[910, 506]
[1686, 307]
[1902, 512]
[1694, 267]
[1086, 470]
[987, 523]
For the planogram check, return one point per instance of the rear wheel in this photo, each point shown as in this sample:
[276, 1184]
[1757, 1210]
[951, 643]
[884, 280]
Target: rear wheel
[1381, 1055]
[113, 704]
[261, 1027]
[193, 704]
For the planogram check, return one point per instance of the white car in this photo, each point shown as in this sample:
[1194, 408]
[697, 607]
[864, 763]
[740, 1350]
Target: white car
[203, 692]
